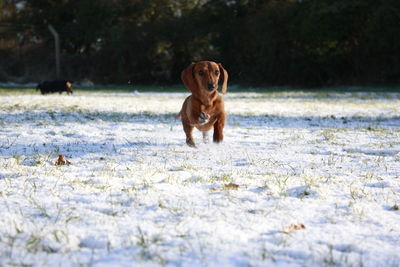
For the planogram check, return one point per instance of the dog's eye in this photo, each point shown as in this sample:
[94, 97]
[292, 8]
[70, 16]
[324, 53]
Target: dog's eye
[201, 73]
[217, 72]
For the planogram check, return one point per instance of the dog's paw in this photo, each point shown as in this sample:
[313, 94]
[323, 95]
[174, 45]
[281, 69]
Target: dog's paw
[204, 118]
[190, 142]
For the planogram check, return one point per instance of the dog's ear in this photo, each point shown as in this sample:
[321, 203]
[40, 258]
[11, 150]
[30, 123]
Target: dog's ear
[224, 78]
[187, 77]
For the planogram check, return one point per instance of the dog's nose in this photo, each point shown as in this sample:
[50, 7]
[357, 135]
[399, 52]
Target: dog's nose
[211, 86]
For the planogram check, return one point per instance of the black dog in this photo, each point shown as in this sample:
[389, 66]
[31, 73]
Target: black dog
[48, 87]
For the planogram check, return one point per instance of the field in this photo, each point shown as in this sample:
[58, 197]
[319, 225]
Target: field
[303, 178]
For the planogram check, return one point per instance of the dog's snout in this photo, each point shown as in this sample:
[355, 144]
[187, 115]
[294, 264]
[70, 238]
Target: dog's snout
[211, 86]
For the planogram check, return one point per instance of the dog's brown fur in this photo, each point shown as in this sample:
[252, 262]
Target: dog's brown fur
[204, 108]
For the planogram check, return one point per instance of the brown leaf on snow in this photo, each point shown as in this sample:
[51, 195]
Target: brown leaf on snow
[61, 160]
[293, 227]
[230, 186]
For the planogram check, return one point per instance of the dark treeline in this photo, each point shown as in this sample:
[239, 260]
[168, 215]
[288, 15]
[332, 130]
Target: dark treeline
[260, 42]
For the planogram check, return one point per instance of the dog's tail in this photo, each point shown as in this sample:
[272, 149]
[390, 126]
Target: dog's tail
[179, 115]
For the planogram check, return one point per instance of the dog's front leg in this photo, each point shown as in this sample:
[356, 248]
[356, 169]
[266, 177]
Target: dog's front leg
[188, 129]
[199, 118]
[218, 135]
[204, 118]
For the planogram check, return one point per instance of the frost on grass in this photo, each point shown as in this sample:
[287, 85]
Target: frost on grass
[300, 179]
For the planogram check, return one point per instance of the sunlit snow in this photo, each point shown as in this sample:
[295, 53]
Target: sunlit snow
[136, 195]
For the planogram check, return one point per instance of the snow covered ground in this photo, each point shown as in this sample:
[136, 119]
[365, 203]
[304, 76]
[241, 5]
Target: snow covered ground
[301, 179]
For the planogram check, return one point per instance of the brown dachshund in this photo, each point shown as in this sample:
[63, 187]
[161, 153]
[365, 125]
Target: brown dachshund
[204, 108]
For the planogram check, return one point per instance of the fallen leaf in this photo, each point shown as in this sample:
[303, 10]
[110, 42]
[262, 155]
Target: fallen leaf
[61, 160]
[230, 186]
[293, 227]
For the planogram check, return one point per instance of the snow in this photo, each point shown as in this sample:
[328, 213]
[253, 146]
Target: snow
[136, 195]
